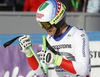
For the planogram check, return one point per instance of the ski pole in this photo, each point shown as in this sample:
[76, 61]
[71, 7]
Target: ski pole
[44, 47]
[36, 58]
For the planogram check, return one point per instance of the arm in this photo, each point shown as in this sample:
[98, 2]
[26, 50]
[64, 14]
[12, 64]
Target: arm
[24, 43]
[81, 49]
[84, 6]
[81, 43]
[34, 64]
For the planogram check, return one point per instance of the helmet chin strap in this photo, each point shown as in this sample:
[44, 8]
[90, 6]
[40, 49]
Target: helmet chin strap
[57, 31]
[59, 25]
[58, 28]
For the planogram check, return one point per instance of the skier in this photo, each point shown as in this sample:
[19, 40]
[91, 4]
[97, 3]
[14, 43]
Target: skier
[71, 43]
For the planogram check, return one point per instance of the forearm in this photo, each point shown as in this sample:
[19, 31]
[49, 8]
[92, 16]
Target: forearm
[25, 46]
[68, 66]
[84, 6]
[33, 62]
[34, 65]
[74, 67]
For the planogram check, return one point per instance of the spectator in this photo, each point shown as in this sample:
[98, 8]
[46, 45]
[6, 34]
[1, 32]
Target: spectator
[6, 5]
[93, 6]
[85, 6]
[75, 5]
[32, 5]
[19, 5]
[12, 5]
[9, 2]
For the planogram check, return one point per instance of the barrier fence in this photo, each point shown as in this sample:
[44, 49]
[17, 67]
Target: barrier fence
[25, 22]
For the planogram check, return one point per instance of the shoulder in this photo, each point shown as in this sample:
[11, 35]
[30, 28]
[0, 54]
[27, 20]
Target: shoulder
[75, 31]
[80, 33]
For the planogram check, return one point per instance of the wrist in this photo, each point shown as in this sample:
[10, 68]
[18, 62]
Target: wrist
[58, 60]
[29, 54]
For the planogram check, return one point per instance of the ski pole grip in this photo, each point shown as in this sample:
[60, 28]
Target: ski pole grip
[44, 42]
[44, 47]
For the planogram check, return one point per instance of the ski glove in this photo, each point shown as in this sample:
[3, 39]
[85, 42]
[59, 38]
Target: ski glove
[24, 43]
[49, 57]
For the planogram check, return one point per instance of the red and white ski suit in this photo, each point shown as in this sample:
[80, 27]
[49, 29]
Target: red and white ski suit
[73, 46]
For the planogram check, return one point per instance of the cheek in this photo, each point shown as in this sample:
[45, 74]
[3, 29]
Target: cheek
[53, 31]
[53, 28]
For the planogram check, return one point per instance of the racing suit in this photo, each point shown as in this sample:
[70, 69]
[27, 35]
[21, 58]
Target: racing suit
[73, 46]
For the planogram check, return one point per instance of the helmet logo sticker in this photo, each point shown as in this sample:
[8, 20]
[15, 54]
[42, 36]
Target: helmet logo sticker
[39, 15]
[43, 6]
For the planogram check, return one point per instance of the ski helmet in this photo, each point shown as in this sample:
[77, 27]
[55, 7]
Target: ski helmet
[51, 12]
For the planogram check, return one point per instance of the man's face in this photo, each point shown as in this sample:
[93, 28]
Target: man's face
[51, 31]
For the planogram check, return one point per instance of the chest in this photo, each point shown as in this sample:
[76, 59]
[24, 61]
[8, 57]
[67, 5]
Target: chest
[65, 47]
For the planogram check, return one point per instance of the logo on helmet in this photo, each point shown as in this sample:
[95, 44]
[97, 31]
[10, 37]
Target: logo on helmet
[39, 15]
[43, 6]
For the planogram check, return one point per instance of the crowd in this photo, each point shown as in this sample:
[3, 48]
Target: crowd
[89, 6]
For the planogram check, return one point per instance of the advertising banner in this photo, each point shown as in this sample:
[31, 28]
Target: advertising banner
[13, 63]
[95, 53]
[95, 58]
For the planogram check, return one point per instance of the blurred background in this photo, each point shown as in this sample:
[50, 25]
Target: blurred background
[18, 17]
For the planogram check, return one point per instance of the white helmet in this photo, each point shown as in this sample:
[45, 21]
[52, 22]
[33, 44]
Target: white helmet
[50, 13]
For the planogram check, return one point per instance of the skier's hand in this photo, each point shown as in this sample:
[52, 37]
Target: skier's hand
[49, 58]
[24, 43]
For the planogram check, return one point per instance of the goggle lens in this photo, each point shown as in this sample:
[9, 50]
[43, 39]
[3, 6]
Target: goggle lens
[45, 25]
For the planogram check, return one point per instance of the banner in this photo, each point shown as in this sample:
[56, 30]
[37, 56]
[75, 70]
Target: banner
[13, 63]
[95, 53]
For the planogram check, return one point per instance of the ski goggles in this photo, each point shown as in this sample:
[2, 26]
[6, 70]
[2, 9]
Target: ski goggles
[45, 25]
